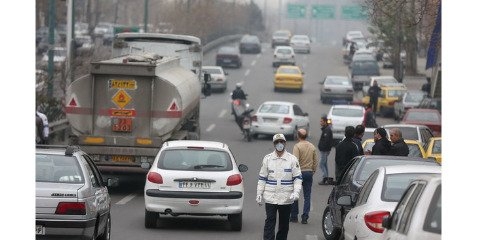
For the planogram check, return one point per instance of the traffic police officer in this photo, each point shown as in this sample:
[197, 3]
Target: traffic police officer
[279, 185]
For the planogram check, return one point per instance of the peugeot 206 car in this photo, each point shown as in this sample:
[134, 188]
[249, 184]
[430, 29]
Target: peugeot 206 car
[198, 178]
[279, 117]
[378, 198]
[72, 201]
[350, 184]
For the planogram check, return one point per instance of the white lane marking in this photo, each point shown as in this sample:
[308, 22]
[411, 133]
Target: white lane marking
[253, 62]
[311, 237]
[222, 113]
[126, 199]
[258, 55]
[210, 127]
[246, 73]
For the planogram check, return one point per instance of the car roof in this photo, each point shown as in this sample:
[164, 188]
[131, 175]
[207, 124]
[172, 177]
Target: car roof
[412, 169]
[195, 143]
[347, 106]
[404, 126]
[212, 67]
[278, 102]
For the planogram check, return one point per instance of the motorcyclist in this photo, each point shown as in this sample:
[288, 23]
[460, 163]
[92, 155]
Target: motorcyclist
[238, 93]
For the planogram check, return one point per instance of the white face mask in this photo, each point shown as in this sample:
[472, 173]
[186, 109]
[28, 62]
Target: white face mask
[279, 147]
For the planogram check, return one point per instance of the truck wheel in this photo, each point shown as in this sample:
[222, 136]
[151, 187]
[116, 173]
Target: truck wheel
[330, 232]
[150, 219]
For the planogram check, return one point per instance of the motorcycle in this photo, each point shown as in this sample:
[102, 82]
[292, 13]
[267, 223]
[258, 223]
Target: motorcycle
[242, 113]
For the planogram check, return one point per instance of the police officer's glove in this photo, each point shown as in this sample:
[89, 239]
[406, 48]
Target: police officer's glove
[294, 196]
[259, 199]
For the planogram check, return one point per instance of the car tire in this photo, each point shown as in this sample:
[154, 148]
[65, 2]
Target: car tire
[106, 235]
[329, 231]
[236, 221]
[150, 219]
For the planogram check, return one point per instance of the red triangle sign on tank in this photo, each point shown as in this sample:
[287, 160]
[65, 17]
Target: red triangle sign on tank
[173, 106]
[72, 103]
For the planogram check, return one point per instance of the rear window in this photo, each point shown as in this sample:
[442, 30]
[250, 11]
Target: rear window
[338, 81]
[212, 70]
[347, 112]
[410, 133]
[57, 169]
[396, 93]
[284, 51]
[423, 116]
[195, 160]
[365, 68]
[274, 108]
[289, 70]
[369, 165]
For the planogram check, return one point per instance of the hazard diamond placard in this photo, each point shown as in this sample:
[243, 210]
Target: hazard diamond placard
[121, 98]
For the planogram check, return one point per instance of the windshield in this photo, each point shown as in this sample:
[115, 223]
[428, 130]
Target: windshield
[195, 160]
[274, 108]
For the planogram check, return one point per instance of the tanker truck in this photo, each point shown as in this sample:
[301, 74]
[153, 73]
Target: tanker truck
[128, 106]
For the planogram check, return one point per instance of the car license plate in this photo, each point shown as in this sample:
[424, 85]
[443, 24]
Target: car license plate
[39, 230]
[122, 158]
[199, 185]
[226, 60]
[121, 124]
[269, 120]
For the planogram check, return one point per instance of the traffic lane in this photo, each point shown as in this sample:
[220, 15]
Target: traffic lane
[250, 153]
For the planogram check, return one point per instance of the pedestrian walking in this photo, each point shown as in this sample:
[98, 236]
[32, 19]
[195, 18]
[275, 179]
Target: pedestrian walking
[358, 138]
[307, 157]
[369, 117]
[324, 145]
[373, 93]
[42, 129]
[398, 147]
[346, 150]
[382, 146]
[279, 185]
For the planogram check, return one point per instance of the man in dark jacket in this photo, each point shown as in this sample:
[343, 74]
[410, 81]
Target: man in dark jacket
[399, 147]
[345, 151]
[373, 93]
[369, 117]
[325, 144]
[382, 146]
[358, 138]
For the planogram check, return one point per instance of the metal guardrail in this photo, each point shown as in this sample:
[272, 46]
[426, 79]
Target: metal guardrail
[63, 124]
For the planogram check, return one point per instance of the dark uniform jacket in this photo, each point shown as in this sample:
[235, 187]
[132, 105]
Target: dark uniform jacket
[400, 148]
[381, 147]
[326, 140]
[345, 151]
[358, 143]
[238, 94]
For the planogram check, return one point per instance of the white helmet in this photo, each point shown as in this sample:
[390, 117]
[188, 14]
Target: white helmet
[238, 85]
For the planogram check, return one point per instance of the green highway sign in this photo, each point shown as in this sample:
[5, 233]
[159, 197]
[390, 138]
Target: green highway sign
[323, 11]
[353, 12]
[296, 10]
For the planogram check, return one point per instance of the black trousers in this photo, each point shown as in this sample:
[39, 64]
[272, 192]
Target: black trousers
[270, 222]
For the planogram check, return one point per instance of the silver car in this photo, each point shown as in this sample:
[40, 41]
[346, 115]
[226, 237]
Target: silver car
[72, 201]
[300, 43]
[342, 116]
[218, 80]
[336, 88]
[409, 99]
[279, 117]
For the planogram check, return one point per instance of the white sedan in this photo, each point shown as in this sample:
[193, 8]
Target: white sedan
[279, 117]
[194, 178]
[378, 198]
[341, 116]
[218, 77]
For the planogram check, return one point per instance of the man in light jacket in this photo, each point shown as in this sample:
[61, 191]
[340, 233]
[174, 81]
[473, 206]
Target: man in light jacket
[279, 185]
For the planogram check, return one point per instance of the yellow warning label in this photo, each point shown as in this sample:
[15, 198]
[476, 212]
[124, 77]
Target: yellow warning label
[122, 84]
[121, 98]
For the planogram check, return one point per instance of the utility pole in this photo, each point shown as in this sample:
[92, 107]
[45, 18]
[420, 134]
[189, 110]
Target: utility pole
[51, 42]
[145, 17]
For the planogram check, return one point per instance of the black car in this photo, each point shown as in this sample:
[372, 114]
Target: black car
[250, 44]
[351, 183]
[228, 56]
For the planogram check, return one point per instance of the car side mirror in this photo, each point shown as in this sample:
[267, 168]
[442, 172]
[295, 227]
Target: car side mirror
[387, 222]
[242, 168]
[345, 201]
[305, 114]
